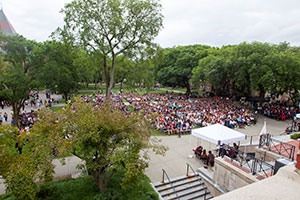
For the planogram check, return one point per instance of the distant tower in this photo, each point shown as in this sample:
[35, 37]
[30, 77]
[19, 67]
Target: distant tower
[5, 26]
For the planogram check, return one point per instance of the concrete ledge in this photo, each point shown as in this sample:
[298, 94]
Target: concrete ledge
[231, 177]
[213, 187]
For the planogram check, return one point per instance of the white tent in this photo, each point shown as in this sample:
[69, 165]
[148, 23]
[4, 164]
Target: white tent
[218, 134]
[298, 116]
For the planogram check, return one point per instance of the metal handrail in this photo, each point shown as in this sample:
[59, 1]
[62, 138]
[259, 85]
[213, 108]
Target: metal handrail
[255, 164]
[244, 159]
[163, 181]
[262, 163]
[198, 177]
[288, 148]
[283, 146]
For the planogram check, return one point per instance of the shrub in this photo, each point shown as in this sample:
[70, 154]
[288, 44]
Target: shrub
[295, 136]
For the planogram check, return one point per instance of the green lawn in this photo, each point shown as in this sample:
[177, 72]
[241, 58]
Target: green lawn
[56, 108]
[91, 89]
[158, 133]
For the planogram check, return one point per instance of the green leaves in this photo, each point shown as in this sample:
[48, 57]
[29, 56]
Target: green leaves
[111, 27]
[242, 69]
[176, 69]
[107, 139]
[16, 78]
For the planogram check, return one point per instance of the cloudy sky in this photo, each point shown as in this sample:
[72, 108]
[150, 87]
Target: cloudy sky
[211, 22]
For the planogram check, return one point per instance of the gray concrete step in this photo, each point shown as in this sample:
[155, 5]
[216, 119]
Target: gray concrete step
[183, 188]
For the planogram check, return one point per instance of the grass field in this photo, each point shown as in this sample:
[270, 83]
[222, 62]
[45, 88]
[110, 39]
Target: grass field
[92, 89]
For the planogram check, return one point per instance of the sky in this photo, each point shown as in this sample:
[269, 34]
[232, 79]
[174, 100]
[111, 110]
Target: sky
[186, 22]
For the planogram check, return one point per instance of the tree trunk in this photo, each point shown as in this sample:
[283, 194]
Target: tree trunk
[261, 96]
[107, 79]
[66, 97]
[100, 179]
[188, 89]
[112, 73]
[16, 112]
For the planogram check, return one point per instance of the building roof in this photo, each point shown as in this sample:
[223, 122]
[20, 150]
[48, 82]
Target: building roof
[5, 26]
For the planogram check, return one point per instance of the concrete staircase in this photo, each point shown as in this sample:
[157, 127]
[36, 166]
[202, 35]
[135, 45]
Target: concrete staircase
[184, 188]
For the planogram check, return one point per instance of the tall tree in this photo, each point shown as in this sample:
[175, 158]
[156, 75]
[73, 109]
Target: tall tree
[176, 70]
[112, 27]
[16, 78]
[106, 138]
[285, 70]
[86, 66]
[55, 67]
[21, 171]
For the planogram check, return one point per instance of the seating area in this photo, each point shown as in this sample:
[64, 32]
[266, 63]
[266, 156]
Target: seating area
[174, 113]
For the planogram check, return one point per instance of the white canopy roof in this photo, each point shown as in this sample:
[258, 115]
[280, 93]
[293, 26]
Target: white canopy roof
[298, 115]
[218, 134]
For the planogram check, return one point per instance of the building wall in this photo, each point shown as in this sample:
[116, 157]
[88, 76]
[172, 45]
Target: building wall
[230, 177]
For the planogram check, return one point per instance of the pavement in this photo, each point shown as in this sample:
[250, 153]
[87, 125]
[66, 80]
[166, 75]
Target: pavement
[178, 155]
[42, 96]
[180, 149]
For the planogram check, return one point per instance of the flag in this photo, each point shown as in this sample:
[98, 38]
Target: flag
[264, 129]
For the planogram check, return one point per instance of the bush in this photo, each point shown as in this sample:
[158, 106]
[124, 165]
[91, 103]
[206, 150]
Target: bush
[295, 136]
[85, 188]
[81, 188]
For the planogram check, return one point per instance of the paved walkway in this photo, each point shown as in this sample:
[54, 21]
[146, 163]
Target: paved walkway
[179, 153]
[42, 96]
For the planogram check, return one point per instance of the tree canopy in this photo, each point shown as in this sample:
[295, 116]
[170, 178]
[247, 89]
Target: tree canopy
[16, 80]
[241, 70]
[108, 140]
[55, 69]
[176, 67]
[112, 28]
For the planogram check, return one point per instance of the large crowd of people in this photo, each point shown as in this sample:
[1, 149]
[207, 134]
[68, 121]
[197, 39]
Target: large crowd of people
[169, 113]
[175, 114]
[279, 112]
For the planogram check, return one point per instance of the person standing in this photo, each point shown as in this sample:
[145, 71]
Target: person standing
[210, 159]
[5, 116]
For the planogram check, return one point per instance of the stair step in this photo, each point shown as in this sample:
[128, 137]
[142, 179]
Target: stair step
[175, 180]
[201, 196]
[189, 194]
[183, 182]
[183, 188]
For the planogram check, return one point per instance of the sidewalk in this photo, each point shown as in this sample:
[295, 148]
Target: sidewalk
[28, 108]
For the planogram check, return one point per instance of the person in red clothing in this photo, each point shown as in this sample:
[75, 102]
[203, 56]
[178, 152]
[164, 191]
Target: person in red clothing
[198, 151]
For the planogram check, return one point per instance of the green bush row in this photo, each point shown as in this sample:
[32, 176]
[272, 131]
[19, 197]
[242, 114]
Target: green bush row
[295, 136]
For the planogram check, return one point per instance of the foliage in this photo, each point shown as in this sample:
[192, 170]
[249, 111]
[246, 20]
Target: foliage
[44, 143]
[56, 108]
[81, 188]
[177, 65]
[107, 139]
[295, 136]
[140, 190]
[16, 78]
[85, 188]
[86, 65]
[241, 70]
[54, 67]
[111, 28]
